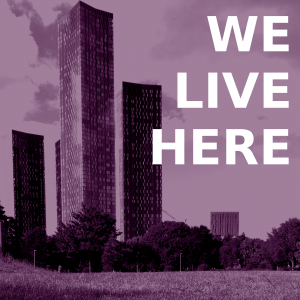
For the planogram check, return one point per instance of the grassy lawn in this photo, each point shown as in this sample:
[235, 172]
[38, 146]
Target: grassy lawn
[22, 281]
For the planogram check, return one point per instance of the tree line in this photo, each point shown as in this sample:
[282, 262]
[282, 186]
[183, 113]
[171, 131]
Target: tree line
[90, 241]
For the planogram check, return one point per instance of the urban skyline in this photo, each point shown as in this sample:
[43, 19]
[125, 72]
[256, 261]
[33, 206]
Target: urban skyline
[152, 42]
[77, 89]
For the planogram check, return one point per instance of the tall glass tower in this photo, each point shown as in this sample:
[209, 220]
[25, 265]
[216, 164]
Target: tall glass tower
[87, 144]
[139, 112]
[29, 180]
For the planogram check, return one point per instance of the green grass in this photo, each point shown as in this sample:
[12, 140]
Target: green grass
[21, 281]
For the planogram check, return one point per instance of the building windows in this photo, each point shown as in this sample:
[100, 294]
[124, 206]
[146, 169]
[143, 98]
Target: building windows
[224, 223]
[29, 180]
[137, 179]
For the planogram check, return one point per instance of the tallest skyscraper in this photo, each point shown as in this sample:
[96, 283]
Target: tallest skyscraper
[87, 145]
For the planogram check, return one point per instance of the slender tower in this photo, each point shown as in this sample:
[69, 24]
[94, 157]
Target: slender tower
[139, 112]
[29, 180]
[87, 144]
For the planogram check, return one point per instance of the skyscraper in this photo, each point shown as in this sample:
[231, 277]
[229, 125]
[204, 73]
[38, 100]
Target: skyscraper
[139, 112]
[58, 183]
[87, 144]
[224, 223]
[29, 180]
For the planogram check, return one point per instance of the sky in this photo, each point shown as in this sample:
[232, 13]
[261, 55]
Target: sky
[153, 41]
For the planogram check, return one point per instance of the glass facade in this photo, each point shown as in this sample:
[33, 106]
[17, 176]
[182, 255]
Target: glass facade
[139, 112]
[29, 180]
[87, 110]
[223, 223]
[58, 182]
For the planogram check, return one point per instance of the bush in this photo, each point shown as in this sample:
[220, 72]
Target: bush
[265, 265]
[168, 268]
[249, 267]
[86, 270]
[203, 267]
[281, 269]
[107, 268]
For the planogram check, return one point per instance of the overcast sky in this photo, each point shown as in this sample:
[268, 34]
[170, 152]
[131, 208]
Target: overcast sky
[153, 41]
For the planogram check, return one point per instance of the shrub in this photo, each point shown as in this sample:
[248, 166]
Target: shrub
[168, 268]
[281, 269]
[203, 267]
[85, 270]
[107, 268]
[265, 265]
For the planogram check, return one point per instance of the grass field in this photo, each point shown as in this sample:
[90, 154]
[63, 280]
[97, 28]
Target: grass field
[21, 281]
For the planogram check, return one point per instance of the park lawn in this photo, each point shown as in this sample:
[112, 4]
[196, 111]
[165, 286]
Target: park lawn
[22, 281]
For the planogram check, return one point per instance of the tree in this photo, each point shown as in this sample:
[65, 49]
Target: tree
[297, 253]
[113, 256]
[201, 248]
[169, 240]
[12, 238]
[54, 257]
[68, 245]
[35, 239]
[11, 235]
[196, 245]
[267, 261]
[84, 238]
[3, 216]
[128, 257]
[282, 242]
[252, 252]
[230, 255]
[214, 257]
[145, 256]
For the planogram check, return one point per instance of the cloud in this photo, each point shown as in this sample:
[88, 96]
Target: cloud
[293, 146]
[43, 111]
[63, 8]
[170, 109]
[45, 37]
[5, 81]
[187, 29]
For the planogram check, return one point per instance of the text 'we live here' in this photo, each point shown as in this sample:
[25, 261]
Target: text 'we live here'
[239, 101]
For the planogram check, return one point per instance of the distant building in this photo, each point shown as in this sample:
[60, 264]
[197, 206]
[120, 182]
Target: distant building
[87, 144]
[29, 180]
[58, 183]
[224, 223]
[139, 112]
